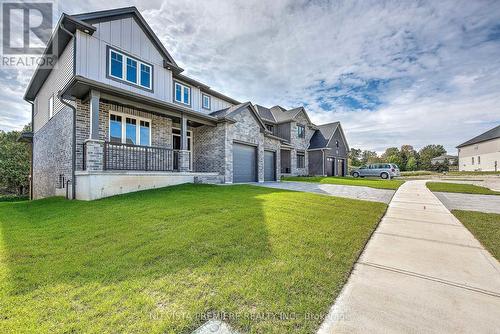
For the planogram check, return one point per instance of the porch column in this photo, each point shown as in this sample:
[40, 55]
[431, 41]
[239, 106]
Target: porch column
[94, 114]
[183, 152]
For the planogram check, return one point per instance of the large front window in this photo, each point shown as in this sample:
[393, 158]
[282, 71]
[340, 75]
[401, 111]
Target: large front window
[129, 129]
[129, 69]
[182, 93]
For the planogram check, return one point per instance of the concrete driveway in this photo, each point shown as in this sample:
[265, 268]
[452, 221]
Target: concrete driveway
[470, 202]
[421, 272]
[354, 192]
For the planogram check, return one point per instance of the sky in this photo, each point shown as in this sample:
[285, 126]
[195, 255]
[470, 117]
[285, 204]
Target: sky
[393, 72]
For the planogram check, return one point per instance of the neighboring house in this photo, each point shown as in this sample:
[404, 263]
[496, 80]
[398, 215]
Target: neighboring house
[452, 159]
[116, 115]
[481, 153]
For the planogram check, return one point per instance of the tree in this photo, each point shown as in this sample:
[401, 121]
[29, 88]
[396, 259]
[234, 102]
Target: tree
[369, 157]
[411, 164]
[391, 151]
[427, 153]
[355, 157]
[396, 159]
[14, 163]
[407, 152]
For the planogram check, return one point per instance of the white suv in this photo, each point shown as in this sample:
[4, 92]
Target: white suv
[383, 170]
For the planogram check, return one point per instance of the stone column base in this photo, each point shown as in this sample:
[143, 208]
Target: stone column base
[184, 161]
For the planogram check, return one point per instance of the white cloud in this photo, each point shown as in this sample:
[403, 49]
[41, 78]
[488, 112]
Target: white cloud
[440, 73]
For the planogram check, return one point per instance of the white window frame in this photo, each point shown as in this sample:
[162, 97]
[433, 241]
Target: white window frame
[303, 132]
[124, 69]
[209, 99]
[124, 127]
[51, 106]
[183, 87]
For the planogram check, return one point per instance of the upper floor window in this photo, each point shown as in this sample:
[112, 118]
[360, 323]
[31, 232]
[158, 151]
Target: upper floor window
[205, 101]
[182, 93]
[130, 70]
[301, 131]
[270, 127]
[129, 129]
[51, 106]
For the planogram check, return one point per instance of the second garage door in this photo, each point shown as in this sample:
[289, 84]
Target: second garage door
[244, 163]
[269, 166]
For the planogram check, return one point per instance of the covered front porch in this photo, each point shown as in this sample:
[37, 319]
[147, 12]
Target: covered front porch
[127, 143]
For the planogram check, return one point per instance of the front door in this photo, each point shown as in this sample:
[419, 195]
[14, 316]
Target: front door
[176, 146]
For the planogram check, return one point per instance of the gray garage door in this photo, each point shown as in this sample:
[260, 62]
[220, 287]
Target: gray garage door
[269, 166]
[244, 163]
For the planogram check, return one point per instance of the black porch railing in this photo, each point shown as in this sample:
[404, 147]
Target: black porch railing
[118, 156]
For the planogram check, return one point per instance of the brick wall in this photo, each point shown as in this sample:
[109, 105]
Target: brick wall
[209, 148]
[52, 153]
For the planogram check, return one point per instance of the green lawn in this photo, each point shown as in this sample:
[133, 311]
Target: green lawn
[460, 188]
[484, 226]
[159, 261]
[348, 181]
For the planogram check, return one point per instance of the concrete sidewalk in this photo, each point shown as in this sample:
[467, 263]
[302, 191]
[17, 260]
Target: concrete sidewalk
[421, 272]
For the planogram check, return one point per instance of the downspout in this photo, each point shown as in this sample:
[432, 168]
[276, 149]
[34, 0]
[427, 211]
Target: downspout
[73, 108]
[32, 145]
[73, 153]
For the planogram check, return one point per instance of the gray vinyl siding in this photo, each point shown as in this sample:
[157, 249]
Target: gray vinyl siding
[283, 130]
[56, 80]
[124, 35]
[341, 151]
[316, 162]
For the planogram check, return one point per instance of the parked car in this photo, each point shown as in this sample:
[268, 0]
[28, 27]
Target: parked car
[383, 170]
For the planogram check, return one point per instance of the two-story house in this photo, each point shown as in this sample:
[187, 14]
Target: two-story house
[115, 114]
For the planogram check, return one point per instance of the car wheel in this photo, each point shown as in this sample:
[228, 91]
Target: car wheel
[355, 174]
[384, 176]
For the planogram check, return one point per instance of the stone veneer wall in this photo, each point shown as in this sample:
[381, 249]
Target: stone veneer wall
[52, 153]
[300, 144]
[213, 146]
[245, 130]
[161, 127]
[271, 144]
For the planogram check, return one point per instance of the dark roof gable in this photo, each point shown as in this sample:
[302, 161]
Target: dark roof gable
[488, 135]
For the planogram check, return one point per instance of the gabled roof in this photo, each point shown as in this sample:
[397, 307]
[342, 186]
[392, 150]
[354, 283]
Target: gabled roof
[488, 135]
[278, 114]
[60, 38]
[322, 135]
[120, 13]
[228, 113]
[265, 113]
